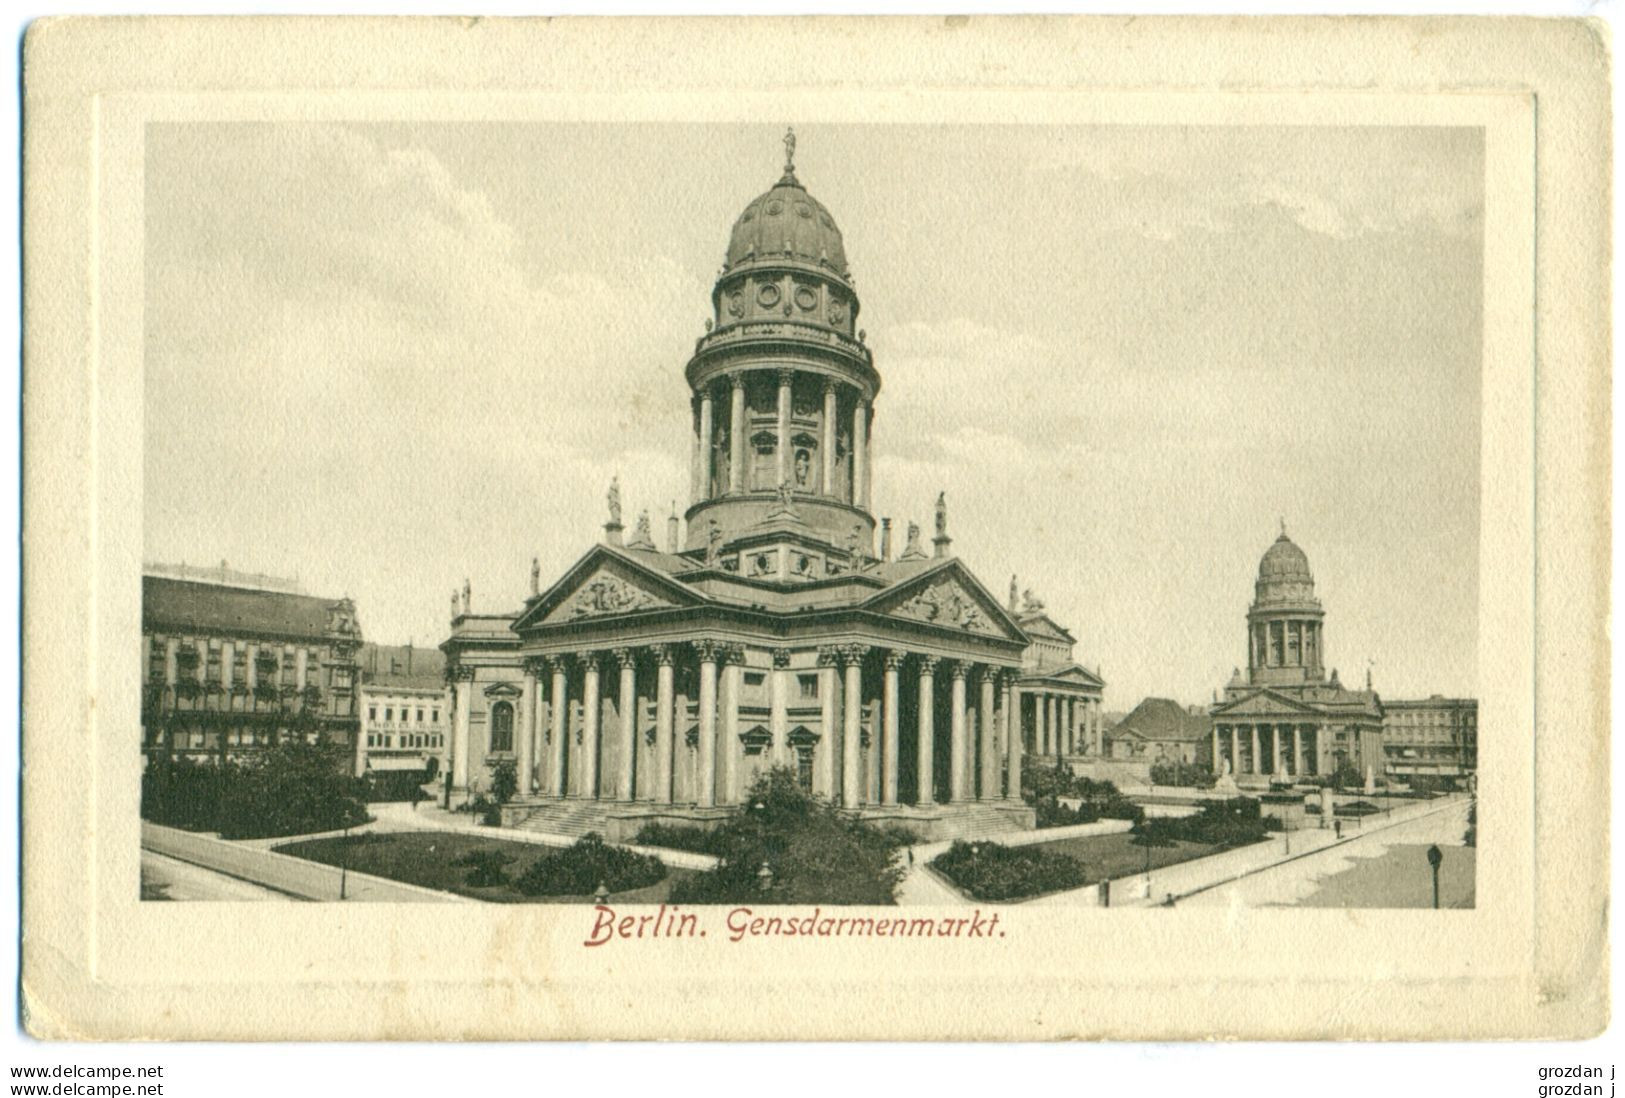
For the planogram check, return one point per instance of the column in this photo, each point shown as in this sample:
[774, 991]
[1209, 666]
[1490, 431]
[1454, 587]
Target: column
[1012, 738]
[1275, 735]
[705, 443]
[733, 675]
[464, 685]
[694, 458]
[665, 699]
[559, 700]
[626, 712]
[989, 788]
[829, 657]
[591, 712]
[1071, 726]
[1258, 759]
[526, 732]
[1040, 732]
[889, 741]
[1297, 751]
[957, 756]
[830, 412]
[786, 377]
[927, 748]
[708, 652]
[860, 452]
[1218, 767]
[737, 429]
[1235, 749]
[851, 749]
[778, 685]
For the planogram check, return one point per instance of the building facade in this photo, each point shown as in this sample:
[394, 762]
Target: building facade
[1162, 730]
[405, 712]
[1434, 737]
[1285, 719]
[659, 681]
[1061, 699]
[234, 664]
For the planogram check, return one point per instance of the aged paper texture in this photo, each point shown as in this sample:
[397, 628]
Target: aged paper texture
[1272, 356]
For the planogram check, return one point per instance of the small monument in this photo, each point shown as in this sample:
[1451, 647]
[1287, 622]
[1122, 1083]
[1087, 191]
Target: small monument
[1227, 781]
[1327, 808]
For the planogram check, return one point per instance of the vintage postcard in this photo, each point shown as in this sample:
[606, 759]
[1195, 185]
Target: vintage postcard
[889, 529]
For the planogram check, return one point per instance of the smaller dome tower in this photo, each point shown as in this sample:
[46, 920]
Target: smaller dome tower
[1284, 622]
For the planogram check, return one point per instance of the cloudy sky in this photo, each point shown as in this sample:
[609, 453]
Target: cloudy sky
[386, 357]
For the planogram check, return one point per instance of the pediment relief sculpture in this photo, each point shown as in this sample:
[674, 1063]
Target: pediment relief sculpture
[606, 593]
[946, 603]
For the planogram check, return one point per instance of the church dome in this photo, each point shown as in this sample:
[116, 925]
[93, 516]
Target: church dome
[1284, 562]
[787, 223]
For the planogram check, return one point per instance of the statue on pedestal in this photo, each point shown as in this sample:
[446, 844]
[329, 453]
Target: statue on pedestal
[468, 594]
[942, 514]
[535, 575]
[614, 499]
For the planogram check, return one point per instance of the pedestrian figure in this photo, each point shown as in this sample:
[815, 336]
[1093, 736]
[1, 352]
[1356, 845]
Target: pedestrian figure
[1339, 826]
[911, 857]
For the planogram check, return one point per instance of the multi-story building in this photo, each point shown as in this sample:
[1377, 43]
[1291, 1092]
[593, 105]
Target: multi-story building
[234, 662]
[405, 711]
[1434, 736]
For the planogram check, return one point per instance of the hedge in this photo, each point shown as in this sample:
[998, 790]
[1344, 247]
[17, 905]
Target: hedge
[990, 871]
[579, 869]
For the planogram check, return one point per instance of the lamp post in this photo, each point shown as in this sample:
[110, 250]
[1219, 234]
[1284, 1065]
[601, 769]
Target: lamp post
[344, 865]
[1435, 857]
[764, 877]
[600, 894]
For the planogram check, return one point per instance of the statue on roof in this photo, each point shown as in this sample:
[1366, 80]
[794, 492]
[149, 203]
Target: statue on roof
[1015, 596]
[942, 514]
[468, 594]
[454, 602]
[535, 575]
[911, 549]
[1032, 601]
[614, 499]
[713, 542]
[642, 534]
[789, 150]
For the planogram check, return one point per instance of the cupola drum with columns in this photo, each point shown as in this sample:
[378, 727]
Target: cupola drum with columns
[1284, 622]
[782, 390]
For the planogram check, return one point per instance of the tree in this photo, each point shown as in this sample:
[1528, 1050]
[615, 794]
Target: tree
[812, 852]
[295, 788]
[504, 781]
[1155, 832]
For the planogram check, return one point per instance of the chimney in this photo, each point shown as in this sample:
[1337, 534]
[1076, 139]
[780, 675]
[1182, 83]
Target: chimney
[408, 657]
[885, 539]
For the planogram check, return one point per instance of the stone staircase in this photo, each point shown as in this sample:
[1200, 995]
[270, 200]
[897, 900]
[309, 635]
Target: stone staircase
[982, 822]
[575, 818]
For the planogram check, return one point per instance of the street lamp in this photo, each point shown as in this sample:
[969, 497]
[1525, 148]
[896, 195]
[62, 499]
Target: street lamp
[764, 877]
[1435, 857]
[344, 864]
[600, 894]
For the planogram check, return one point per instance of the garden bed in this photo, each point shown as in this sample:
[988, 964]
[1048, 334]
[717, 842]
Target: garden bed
[445, 860]
[988, 871]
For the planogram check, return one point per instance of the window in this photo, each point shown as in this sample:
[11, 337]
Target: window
[809, 686]
[389, 712]
[754, 678]
[435, 716]
[420, 716]
[502, 726]
[372, 712]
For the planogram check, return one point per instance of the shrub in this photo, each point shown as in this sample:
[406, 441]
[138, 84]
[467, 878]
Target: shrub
[989, 871]
[1178, 772]
[485, 867]
[1345, 775]
[1040, 782]
[1233, 822]
[696, 840]
[395, 785]
[1052, 813]
[504, 781]
[1356, 808]
[813, 853]
[578, 870]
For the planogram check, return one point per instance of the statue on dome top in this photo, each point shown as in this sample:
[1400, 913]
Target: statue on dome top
[789, 150]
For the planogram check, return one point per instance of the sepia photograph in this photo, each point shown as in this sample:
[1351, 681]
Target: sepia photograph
[782, 530]
[879, 562]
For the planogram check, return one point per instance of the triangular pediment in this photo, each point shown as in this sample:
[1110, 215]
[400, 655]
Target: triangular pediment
[1040, 626]
[948, 597]
[605, 584]
[1264, 703]
[1075, 674]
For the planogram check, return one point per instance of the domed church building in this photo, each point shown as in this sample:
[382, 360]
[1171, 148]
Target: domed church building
[656, 682]
[1285, 719]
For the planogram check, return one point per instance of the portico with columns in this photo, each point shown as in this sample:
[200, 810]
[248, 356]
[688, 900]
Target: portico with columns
[1061, 717]
[784, 628]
